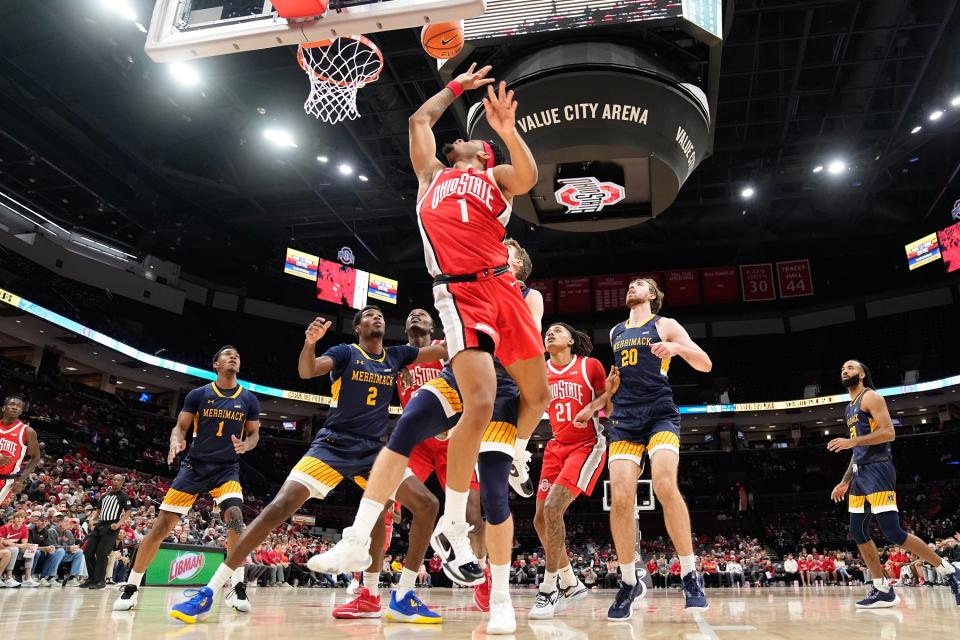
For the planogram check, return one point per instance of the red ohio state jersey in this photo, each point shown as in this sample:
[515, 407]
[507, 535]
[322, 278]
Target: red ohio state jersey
[571, 389]
[421, 374]
[463, 218]
[13, 442]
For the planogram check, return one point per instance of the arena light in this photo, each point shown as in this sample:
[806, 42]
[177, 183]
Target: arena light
[121, 8]
[69, 368]
[747, 192]
[323, 159]
[184, 74]
[916, 129]
[279, 137]
[836, 167]
[363, 178]
[936, 115]
[818, 168]
[826, 432]
[345, 169]
[955, 102]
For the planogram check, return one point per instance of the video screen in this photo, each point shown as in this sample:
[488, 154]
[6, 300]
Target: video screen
[340, 284]
[300, 264]
[923, 251]
[950, 246]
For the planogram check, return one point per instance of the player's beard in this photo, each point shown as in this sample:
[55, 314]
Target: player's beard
[850, 382]
[375, 333]
[447, 148]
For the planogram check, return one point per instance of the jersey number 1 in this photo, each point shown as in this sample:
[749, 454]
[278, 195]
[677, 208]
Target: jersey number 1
[464, 216]
[220, 430]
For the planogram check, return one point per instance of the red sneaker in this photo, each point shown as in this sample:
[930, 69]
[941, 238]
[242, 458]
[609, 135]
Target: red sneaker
[363, 606]
[481, 592]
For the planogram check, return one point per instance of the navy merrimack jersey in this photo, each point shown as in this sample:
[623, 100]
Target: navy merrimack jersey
[643, 376]
[217, 415]
[861, 423]
[363, 386]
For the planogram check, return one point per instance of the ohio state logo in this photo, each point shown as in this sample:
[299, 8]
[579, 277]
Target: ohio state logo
[588, 195]
[544, 485]
[185, 565]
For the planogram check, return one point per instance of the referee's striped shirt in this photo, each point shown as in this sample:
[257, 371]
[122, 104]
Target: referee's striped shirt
[112, 505]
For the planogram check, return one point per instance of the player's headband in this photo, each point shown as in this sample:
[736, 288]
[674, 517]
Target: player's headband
[491, 162]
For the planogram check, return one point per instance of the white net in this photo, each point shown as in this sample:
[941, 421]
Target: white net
[337, 69]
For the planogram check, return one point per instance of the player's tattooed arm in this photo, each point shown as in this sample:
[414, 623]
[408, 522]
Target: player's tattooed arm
[848, 474]
[840, 490]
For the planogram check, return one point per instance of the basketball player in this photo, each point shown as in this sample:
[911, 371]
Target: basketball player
[18, 441]
[352, 435]
[463, 209]
[225, 420]
[872, 481]
[572, 460]
[646, 420]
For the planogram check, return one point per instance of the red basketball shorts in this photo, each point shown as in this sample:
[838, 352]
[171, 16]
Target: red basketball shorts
[574, 466]
[431, 456]
[493, 307]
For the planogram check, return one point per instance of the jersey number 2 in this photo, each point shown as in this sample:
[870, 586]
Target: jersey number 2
[372, 397]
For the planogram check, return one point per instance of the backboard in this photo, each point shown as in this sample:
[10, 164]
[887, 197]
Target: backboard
[187, 29]
[645, 500]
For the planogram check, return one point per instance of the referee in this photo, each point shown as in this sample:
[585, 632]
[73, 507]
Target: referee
[113, 509]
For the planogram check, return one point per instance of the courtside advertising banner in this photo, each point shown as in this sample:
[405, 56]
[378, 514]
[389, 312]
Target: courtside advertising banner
[180, 565]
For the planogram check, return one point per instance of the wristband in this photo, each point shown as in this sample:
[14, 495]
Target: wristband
[456, 87]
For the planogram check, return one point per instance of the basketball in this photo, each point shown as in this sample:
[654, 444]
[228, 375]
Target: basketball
[442, 40]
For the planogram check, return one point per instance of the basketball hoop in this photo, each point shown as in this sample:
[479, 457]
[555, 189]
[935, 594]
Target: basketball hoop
[337, 69]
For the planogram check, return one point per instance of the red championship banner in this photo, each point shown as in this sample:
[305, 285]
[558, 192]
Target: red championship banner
[548, 289]
[794, 279]
[683, 287]
[610, 292]
[573, 295]
[720, 285]
[757, 282]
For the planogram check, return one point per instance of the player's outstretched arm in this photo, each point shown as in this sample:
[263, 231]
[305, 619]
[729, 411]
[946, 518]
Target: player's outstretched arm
[423, 145]
[309, 365]
[521, 174]
[431, 353]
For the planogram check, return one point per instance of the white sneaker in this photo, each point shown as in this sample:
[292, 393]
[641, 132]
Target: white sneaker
[520, 475]
[569, 595]
[236, 597]
[10, 583]
[72, 582]
[46, 582]
[31, 583]
[353, 588]
[545, 605]
[286, 585]
[351, 554]
[451, 542]
[503, 619]
[127, 599]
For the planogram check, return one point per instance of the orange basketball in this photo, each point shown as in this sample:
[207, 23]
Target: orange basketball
[442, 40]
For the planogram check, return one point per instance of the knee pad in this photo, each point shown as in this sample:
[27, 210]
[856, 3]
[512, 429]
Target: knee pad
[422, 418]
[860, 527]
[494, 475]
[889, 522]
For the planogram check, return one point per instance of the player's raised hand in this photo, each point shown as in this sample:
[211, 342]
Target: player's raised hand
[240, 446]
[501, 109]
[839, 492]
[612, 384]
[839, 444]
[472, 79]
[317, 329]
[406, 378]
[176, 446]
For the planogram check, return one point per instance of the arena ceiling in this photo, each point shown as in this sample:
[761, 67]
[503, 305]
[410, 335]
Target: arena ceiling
[100, 138]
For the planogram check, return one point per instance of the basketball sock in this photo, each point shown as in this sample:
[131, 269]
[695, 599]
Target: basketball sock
[687, 564]
[408, 581]
[519, 446]
[237, 576]
[628, 573]
[880, 586]
[500, 579]
[367, 515]
[135, 578]
[455, 505]
[567, 577]
[220, 578]
[549, 583]
[371, 581]
[945, 568]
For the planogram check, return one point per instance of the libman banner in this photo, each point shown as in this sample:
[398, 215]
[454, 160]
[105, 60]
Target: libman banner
[184, 565]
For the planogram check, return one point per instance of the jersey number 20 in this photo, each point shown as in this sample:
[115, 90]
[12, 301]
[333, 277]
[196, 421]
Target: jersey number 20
[628, 357]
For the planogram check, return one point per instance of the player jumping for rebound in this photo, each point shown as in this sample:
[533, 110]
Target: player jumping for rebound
[646, 420]
[225, 420]
[18, 441]
[352, 435]
[573, 459]
[872, 481]
[463, 210]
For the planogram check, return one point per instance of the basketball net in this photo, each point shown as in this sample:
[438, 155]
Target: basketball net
[337, 69]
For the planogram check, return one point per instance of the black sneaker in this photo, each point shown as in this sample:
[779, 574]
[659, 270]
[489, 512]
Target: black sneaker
[86, 584]
[236, 598]
[622, 607]
[127, 599]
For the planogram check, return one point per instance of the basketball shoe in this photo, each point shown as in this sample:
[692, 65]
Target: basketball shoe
[878, 599]
[546, 605]
[481, 592]
[199, 604]
[409, 608]
[503, 619]
[576, 592]
[451, 543]
[622, 607]
[127, 599]
[363, 606]
[520, 475]
[351, 554]
[696, 600]
[236, 597]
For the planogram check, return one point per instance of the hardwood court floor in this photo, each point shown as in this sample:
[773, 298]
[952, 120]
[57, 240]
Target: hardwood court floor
[751, 614]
